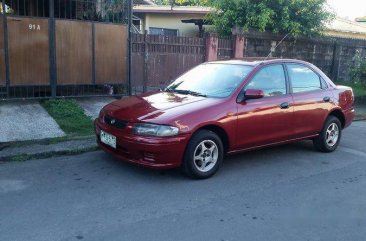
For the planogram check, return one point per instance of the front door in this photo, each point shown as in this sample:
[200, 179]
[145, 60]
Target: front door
[269, 119]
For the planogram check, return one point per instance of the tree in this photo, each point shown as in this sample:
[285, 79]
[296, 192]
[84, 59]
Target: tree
[298, 17]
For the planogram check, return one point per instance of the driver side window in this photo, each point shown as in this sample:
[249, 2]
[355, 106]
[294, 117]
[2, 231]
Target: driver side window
[270, 79]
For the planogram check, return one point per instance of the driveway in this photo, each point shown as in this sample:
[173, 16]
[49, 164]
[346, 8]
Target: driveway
[289, 192]
[26, 120]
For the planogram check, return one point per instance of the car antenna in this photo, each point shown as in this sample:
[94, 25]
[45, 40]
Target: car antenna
[270, 52]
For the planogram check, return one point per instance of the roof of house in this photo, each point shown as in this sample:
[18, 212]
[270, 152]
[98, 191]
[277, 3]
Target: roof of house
[143, 2]
[169, 9]
[346, 26]
[361, 20]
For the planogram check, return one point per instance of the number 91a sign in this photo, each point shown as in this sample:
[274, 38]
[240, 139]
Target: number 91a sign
[34, 27]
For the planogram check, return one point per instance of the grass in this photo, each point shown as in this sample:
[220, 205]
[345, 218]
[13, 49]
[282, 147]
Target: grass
[20, 158]
[70, 117]
[46, 141]
[26, 157]
[358, 89]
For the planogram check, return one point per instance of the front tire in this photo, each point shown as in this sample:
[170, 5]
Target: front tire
[204, 155]
[330, 136]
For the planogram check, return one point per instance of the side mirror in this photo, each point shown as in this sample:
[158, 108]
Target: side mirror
[254, 94]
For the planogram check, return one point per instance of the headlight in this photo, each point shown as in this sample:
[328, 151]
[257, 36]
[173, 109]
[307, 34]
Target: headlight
[155, 130]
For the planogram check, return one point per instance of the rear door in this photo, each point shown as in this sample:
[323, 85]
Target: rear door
[312, 99]
[269, 119]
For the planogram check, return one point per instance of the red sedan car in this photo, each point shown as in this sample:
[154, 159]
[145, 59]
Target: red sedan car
[225, 107]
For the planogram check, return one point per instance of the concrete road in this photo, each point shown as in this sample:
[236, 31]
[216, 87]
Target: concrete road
[283, 193]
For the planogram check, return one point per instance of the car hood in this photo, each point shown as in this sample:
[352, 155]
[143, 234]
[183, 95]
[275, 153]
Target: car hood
[150, 107]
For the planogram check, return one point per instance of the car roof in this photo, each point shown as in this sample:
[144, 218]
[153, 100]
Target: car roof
[258, 61]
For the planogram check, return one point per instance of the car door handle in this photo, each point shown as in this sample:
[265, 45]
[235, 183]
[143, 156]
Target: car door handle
[285, 105]
[326, 99]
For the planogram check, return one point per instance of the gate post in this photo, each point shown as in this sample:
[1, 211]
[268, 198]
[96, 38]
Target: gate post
[212, 46]
[6, 49]
[93, 55]
[238, 46]
[336, 61]
[129, 67]
[146, 60]
[52, 48]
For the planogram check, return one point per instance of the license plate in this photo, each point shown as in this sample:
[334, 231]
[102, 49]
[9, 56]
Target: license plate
[108, 139]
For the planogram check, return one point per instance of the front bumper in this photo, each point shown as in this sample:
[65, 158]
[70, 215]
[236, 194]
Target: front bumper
[151, 152]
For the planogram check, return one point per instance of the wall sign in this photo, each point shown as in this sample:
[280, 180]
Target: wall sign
[34, 27]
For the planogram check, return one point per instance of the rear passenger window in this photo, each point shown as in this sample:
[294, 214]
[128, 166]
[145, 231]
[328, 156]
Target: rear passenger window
[271, 79]
[303, 78]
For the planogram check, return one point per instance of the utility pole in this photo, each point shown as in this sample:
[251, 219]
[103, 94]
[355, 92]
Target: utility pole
[129, 69]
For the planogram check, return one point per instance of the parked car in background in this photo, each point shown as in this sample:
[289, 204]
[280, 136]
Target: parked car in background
[225, 107]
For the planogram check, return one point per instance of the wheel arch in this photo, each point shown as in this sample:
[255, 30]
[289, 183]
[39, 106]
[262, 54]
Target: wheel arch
[218, 130]
[339, 114]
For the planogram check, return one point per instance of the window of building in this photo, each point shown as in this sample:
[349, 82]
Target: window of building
[163, 31]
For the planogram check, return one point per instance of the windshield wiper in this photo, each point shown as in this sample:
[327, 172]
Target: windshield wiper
[186, 92]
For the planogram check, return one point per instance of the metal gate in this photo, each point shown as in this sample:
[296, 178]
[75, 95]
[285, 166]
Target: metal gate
[63, 48]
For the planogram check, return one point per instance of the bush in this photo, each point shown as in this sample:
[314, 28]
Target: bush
[358, 71]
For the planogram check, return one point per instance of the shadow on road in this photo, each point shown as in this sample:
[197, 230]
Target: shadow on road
[239, 161]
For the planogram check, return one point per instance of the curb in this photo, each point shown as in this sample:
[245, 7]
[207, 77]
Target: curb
[360, 118]
[360, 99]
[42, 150]
[26, 157]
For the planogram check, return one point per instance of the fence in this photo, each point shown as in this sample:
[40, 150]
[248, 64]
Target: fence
[335, 56]
[88, 10]
[62, 48]
[225, 48]
[82, 50]
[159, 59]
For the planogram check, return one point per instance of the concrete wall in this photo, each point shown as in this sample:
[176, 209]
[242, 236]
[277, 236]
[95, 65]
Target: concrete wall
[172, 21]
[335, 56]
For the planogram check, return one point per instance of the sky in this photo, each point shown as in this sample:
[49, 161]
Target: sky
[350, 9]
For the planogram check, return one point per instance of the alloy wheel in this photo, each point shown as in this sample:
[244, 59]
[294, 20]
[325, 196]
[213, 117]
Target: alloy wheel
[332, 134]
[205, 155]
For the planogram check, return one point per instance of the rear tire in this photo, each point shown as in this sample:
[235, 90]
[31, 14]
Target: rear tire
[330, 136]
[204, 155]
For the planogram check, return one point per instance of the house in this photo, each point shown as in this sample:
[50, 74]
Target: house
[167, 20]
[361, 20]
[345, 28]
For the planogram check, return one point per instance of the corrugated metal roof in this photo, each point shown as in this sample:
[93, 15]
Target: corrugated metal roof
[143, 2]
[361, 20]
[347, 26]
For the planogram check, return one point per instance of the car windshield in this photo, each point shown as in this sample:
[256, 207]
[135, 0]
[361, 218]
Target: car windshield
[211, 80]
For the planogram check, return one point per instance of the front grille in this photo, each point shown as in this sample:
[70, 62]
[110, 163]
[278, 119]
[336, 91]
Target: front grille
[121, 124]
